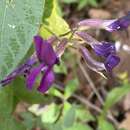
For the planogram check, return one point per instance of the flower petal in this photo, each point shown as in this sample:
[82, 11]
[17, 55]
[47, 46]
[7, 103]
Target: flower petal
[88, 38]
[105, 49]
[109, 25]
[95, 23]
[45, 51]
[92, 63]
[38, 46]
[121, 23]
[100, 48]
[20, 70]
[47, 80]
[111, 62]
[33, 75]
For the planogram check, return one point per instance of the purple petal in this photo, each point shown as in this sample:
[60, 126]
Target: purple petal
[95, 23]
[45, 51]
[111, 62]
[38, 46]
[48, 55]
[105, 49]
[47, 80]
[92, 63]
[33, 75]
[121, 23]
[90, 22]
[100, 48]
[23, 69]
[32, 60]
[109, 25]
[7, 80]
[88, 38]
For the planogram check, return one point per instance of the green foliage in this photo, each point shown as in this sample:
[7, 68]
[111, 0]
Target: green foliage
[79, 126]
[69, 117]
[69, 1]
[48, 113]
[21, 92]
[112, 98]
[84, 115]
[115, 95]
[28, 120]
[70, 88]
[19, 22]
[105, 125]
[10, 123]
[60, 68]
[7, 121]
[68, 91]
[52, 22]
[82, 3]
[6, 101]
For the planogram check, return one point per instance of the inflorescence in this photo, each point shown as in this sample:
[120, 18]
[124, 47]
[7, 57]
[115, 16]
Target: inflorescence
[46, 56]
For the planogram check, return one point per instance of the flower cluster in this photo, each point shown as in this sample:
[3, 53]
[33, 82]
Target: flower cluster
[103, 49]
[46, 55]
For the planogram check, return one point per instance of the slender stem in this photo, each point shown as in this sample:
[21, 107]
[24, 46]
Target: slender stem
[73, 32]
[87, 103]
[91, 83]
[49, 30]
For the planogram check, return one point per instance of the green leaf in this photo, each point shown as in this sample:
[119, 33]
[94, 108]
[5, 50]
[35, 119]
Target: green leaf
[115, 95]
[10, 123]
[82, 4]
[52, 21]
[104, 125]
[54, 126]
[19, 21]
[71, 87]
[93, 2]
[79, 126]
[60, 68]
[69, 118]
[6, 101]
[48, 113]
[54, 92]
[28, 120]
[69, 1]
[22, 93]
[83, 114]
[67, 107]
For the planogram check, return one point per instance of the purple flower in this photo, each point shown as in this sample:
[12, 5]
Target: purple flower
[109, 25]
[104, 49]
[47, 58]
[21, 70]
[120, 24]
[92, 63]
[44, 51]
[101, 48]
[111, 62]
